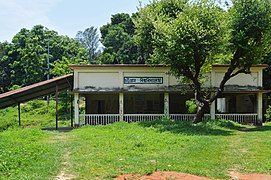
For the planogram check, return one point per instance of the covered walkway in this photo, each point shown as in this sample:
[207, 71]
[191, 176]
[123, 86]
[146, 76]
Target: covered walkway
[43, 88]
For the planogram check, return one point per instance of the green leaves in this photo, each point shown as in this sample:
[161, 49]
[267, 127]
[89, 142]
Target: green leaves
[182, 32]
[90, 40]
[200, 33]
[251, 23]
[119, 41]
[191, 36]
[24, 61]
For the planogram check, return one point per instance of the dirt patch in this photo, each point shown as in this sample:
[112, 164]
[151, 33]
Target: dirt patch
[252, 176]
[64, 176]
[160, 176]
[184, 176]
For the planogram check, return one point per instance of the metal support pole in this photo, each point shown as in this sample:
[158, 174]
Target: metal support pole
[56, 105]
[19, 113]
[71, 111]
[48, 67]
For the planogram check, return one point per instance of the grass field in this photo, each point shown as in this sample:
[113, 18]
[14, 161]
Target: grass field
[28, 154]
[210, 149]
[35, 113]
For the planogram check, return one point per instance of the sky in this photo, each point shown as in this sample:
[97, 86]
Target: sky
[67, 17]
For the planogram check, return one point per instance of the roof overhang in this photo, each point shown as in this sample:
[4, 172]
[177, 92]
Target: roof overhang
[179, 88]
[34, 91]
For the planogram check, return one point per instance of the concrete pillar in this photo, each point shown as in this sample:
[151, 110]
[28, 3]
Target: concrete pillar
[166, 104]
[260, 107]
[121, 106]
[212, 108]
[76, 110]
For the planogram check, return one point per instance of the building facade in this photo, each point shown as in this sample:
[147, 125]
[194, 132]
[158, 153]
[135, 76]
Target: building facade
[146, 92]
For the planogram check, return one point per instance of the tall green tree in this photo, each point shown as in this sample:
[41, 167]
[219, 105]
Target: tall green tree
[189, 36]
[24, 60]
[5, 61]
[119, 41]
[89, 39]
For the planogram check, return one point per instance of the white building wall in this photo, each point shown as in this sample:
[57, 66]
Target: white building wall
[240, 79]
[98, 79]
[111, 77]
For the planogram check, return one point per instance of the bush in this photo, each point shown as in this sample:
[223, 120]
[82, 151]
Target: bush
[191, 106]
[268, 113]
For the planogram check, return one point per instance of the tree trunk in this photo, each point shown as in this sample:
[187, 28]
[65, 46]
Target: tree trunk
[201, 109]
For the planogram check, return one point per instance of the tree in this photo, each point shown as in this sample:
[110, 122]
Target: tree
[119, 41]
[5, 61]
[190, 36]
[24, 61]
[89, 39]
[66, 51]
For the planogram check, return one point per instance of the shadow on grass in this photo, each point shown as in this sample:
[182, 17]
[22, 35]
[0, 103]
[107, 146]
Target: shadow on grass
[256, 129]
[212, 127]
[59, 129]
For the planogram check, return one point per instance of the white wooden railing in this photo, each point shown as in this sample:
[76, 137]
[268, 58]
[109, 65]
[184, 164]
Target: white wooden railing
[103, 119]
[239, 118]
[187, 117]
[142, 117]
[98, 119]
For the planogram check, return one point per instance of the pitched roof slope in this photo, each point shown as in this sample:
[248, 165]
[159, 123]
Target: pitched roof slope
[36, 90]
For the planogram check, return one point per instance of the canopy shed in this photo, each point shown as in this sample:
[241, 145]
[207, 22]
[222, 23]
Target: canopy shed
[36, 90]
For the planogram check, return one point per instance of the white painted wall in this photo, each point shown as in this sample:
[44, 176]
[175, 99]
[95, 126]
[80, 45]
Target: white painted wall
[113, 77]
[98, 79]
[241, 79]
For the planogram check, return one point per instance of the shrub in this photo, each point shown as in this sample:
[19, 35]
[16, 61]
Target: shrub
[191, 106]
[268, 113]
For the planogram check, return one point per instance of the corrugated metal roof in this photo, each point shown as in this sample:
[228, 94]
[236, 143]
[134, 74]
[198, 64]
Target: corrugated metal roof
[36, 90]
[177, 88]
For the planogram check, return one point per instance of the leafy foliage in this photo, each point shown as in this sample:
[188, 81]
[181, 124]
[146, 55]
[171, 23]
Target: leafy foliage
[191, 106]
[5, 60]
[250, 24]
[89, 39]
[24, 61]
[118, 39]
[193, 35]
[268, 113]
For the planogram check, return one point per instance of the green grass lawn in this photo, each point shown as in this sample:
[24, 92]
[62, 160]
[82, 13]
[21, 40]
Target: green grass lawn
[207, 149]
[210, 149]
[28, 154]
[35, 113]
